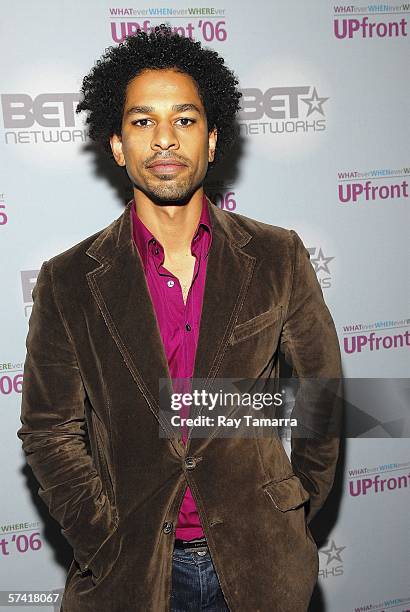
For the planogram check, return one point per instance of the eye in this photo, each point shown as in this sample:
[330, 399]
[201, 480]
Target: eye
[187, 119]
[137, 122]
[187, 122]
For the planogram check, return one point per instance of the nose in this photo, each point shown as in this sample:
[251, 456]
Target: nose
[164, 137]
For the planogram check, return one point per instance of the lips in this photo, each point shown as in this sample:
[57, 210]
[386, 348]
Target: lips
[166, 166]
[166, 163]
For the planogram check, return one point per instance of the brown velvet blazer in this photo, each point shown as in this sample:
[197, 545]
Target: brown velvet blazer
[90, 424]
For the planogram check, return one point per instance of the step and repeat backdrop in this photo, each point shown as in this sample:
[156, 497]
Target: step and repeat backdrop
[323, 149]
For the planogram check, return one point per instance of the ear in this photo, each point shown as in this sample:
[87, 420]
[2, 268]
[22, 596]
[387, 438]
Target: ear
[212, 138]
[116, 148]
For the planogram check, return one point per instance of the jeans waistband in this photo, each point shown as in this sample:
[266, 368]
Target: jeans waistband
[198, 544]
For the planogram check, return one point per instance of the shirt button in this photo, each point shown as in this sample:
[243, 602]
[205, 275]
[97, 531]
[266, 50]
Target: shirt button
[167, 527]
[170, 283]
[154, 242]
[188, 327]
[156, 251]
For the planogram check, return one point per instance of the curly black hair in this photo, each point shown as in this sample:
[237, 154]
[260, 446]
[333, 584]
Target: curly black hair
[104, 88]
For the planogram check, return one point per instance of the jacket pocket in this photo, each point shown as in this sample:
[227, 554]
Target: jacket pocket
[286, 494]
[104, 559]
[90, 535]
[105, 473]
[245, 330]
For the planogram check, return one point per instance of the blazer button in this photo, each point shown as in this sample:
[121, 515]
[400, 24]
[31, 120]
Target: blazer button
[190, 463]
[167, 527]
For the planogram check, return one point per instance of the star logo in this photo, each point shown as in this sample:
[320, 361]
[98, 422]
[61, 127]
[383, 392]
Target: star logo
[315, 103]
[333, 553]
[320, 262]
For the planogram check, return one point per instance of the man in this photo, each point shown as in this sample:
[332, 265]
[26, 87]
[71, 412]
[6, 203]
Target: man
[157, 521]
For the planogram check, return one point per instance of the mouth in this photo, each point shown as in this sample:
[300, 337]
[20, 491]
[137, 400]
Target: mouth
[169, 166]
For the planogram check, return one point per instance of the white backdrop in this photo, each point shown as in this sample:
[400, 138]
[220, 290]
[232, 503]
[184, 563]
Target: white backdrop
[324, 150]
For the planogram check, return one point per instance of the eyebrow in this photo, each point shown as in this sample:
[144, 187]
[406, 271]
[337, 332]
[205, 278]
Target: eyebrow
[178, 108]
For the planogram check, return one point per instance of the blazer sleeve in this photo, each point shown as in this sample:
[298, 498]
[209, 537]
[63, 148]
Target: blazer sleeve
[54, 432]
[311, 347]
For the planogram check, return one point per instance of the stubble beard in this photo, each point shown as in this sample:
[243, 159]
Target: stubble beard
[168, 189]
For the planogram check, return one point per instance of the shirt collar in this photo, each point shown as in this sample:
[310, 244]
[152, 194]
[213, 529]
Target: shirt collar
[143, 237]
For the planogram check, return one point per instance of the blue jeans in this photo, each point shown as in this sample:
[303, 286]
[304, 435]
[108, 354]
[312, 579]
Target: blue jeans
[195, 584]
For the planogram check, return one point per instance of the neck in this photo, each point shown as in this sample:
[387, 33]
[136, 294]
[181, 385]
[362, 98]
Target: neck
[172, 225]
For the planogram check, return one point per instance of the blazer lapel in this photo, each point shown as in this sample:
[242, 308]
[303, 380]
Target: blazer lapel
[120, 289]
[228, 275]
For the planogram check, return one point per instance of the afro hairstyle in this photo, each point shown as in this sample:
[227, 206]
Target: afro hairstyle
[104, 88]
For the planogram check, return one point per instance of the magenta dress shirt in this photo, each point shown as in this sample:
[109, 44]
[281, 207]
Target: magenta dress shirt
[178, 323]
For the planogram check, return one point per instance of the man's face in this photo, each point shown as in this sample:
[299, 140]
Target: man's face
[165, 144]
